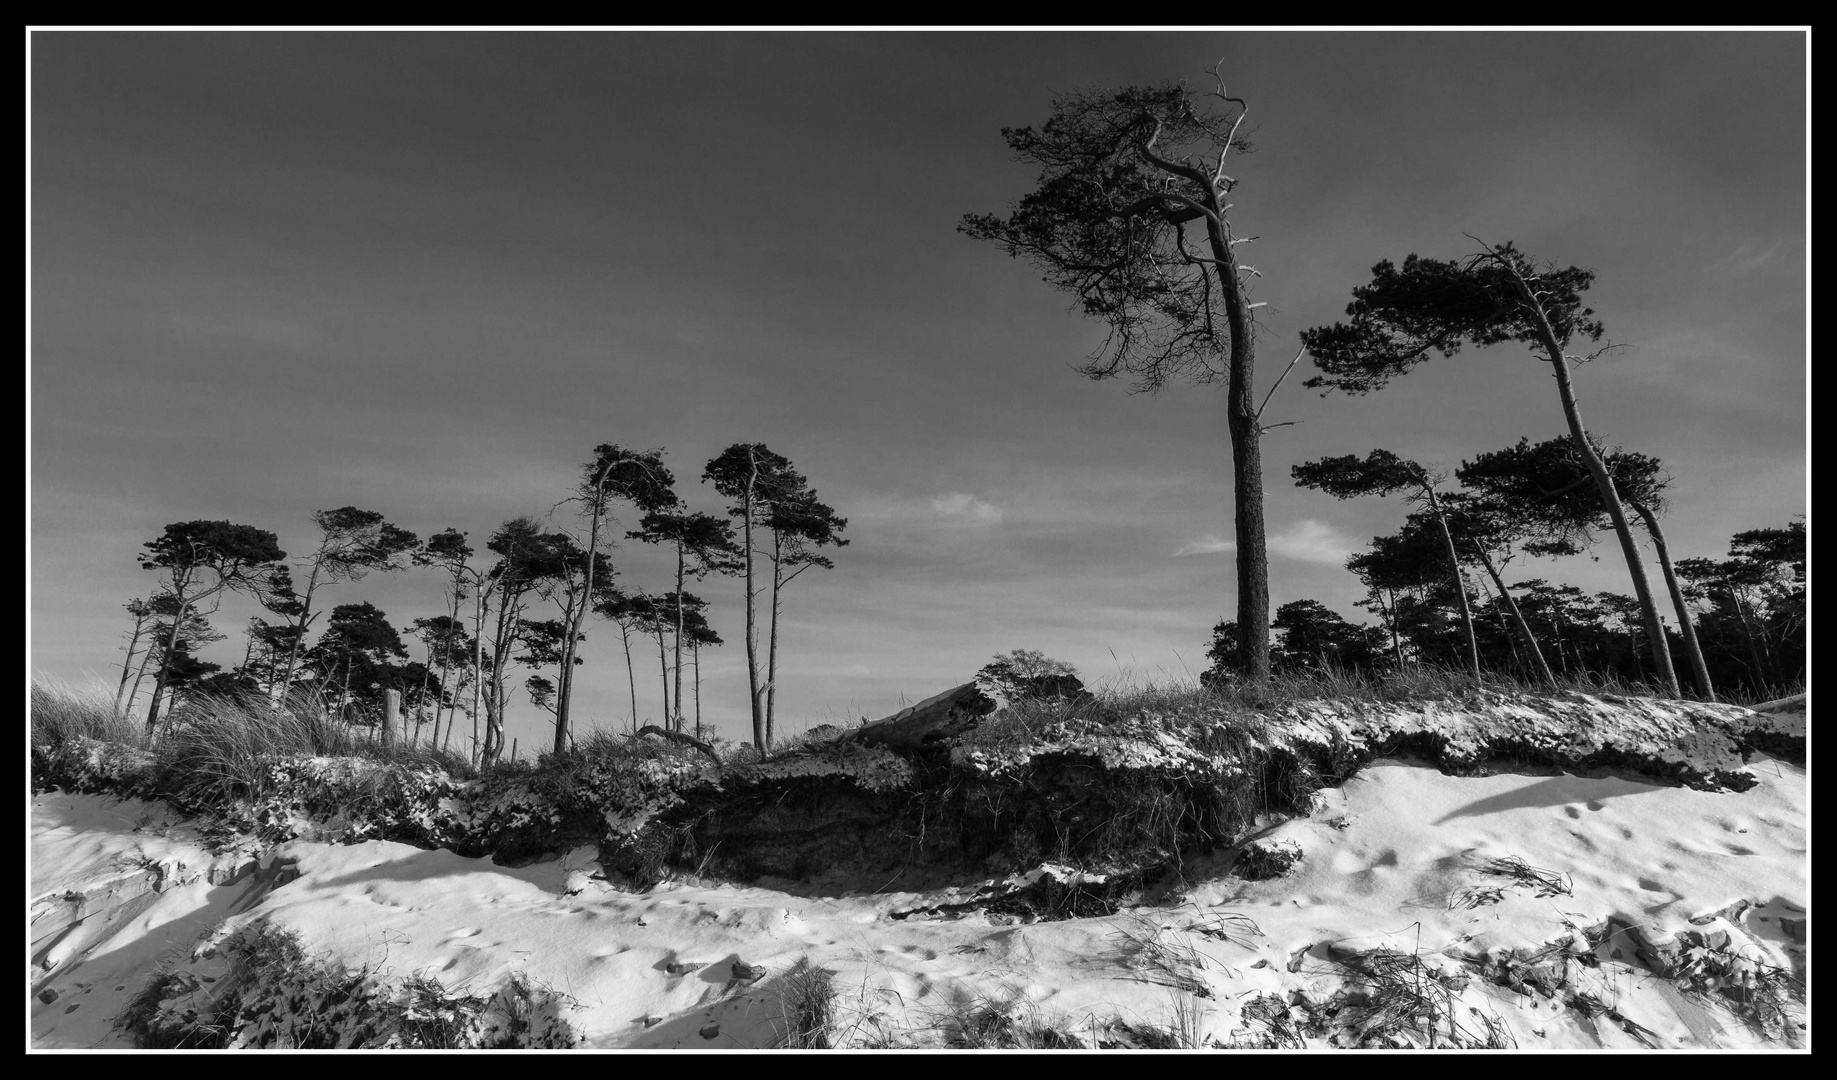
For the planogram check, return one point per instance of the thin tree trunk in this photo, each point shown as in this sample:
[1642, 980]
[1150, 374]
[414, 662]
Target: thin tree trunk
[1699, 668]
[1747, 632]
[421, 706]
[663, 666]
[140, 622]
[676, 721]
[1390, 624]
[1524, 628]
[140, 672]
[165, 660]
[478, 670]
[1505, 629]
[752, 645]
[695, 656]
[1604, 482]
[1460, 583]
[446, 656]
[564, 692]
[497, 696]
[300, 623]
[631, 679]
[771, 653]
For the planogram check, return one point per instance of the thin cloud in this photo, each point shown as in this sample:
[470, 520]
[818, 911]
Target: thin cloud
[961, 508]
[1750, 256]
[1309, 540]
[1205, 545]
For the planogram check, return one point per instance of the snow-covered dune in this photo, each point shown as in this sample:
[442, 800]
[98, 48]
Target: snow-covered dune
[1535, 910]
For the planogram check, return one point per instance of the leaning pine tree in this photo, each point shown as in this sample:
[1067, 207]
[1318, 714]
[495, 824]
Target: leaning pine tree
[1497, 295]
[1549, 490]
[201, 560]
[1129, 215]
[1382, 472]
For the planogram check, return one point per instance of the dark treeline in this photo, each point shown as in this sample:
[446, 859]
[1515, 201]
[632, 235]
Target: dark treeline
[522, 606]
[1748, 611]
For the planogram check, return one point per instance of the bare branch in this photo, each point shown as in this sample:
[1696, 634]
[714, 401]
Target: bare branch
[1146, 149]
[1258, 415]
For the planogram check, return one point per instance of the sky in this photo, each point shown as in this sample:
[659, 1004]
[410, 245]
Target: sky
[426, 273]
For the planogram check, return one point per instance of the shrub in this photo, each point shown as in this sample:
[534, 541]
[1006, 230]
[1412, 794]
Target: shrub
[274, 995]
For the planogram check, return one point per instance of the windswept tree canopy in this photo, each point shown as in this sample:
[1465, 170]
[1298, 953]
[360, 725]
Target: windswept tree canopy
[1123, 173]
[358, 541]
[234, 554]
[1430, 306]
[1348, 476]
[636, 476]
[745, 468]
[707, 542]
[1549, 487]
[446, 548]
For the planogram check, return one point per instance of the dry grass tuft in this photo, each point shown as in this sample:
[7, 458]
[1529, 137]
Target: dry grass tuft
[1522, 875]
[1395, 1000]
[807, 999]
[61, 713]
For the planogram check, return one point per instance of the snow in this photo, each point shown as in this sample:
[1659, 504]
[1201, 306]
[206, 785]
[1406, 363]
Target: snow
[1388, 860]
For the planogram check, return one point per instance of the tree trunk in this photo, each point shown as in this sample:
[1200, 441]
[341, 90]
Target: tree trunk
[663, 667]
[1524, 628]
[127, 663]
[478, 669]
[574, 619]
[752, 645]
[497, 698]
[299, 632]
[446, 656]
[421, 708]
[1246, 455]
[140, 672]
[1505, 631]
[631, 679]
[1747, 632]
[676, 721]
[1699, 669]
[695, 655]
[1604, 482]
[771, 651]
[571, 619]
[165, 660]
[1460, 583]
[1390, 624]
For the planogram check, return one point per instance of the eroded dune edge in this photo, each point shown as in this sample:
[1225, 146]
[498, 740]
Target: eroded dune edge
[1499, 870]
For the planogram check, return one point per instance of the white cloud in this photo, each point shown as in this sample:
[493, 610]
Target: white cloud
[1205, 545]
[1751, 254]
[1307, 540]
[1312, 541]
[955, 506]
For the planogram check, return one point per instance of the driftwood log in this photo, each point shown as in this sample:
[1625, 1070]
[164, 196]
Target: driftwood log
[957, 710]
[1795, 703]
[931, 721]
[679, 737]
